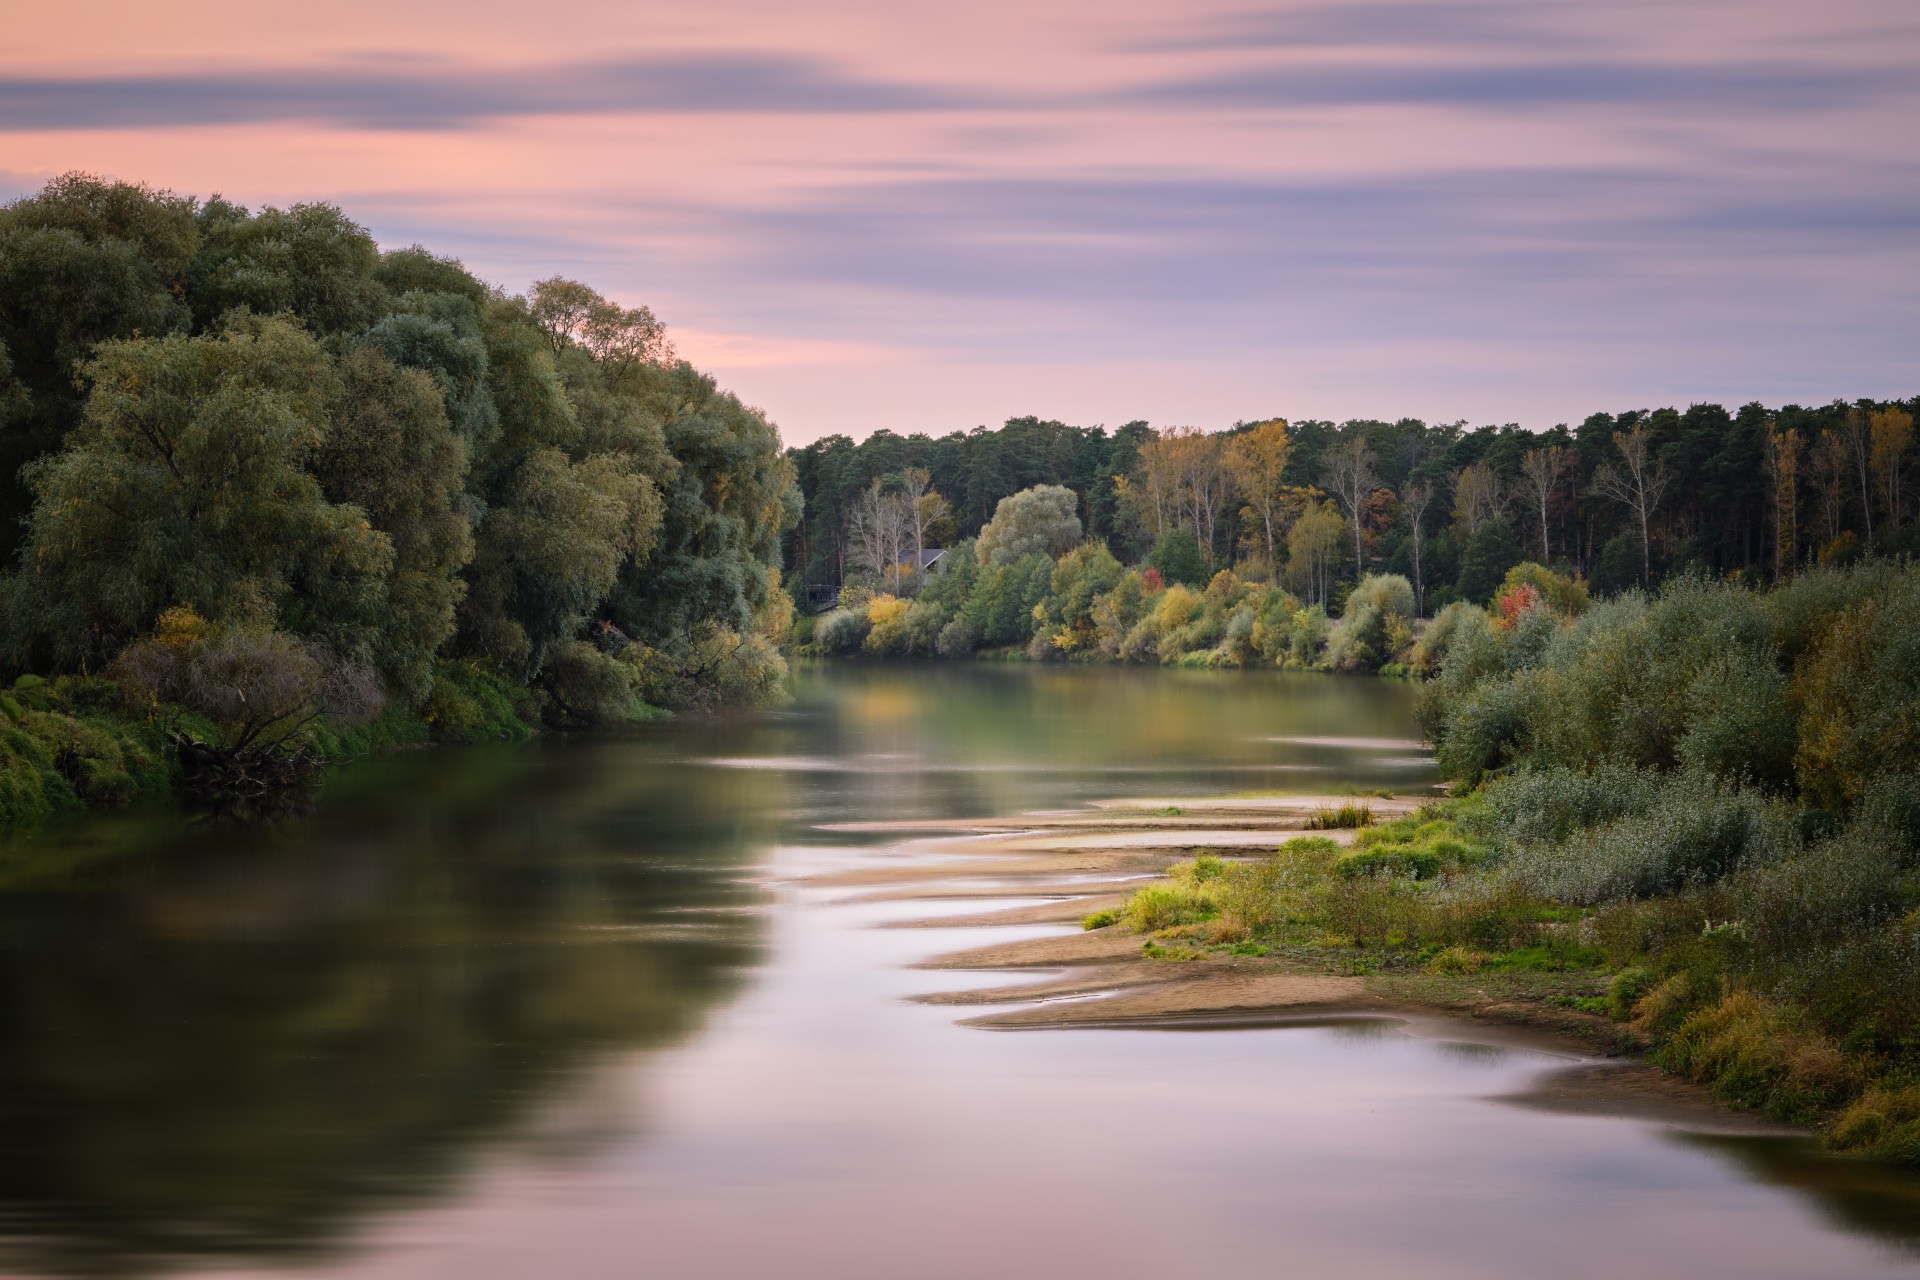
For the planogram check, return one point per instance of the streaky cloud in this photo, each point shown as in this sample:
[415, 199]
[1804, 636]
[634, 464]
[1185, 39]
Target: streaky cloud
[372, 96]
[1734, 86]
[1476, 24]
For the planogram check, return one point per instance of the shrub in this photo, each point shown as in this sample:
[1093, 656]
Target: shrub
[1884, 1123]
[886, 625]
[468, 702]
[587, 687]
[1756, 1053]
[1407, 860]
[1695, 831]
[1165, 906]
[1626, 990]
[841, 631]
[957, 639]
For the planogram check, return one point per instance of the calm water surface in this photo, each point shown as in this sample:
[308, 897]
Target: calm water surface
[566, 1011]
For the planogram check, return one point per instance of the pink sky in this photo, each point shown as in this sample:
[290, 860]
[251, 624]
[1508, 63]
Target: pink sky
[865, 215]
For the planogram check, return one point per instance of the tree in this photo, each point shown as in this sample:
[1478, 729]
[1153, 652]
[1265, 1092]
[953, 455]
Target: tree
[391, 452]
[549, 554]
[187, 484]
[1257, 460]
[1351, 478]
[1637, 484]
[878, 532]
[1478, 497]
[1892, 431]
[1177, 557]
[1202, 480]
[1831, 462]
[1859, 436]
[1155, 481]
[570, 312]
[1313, 543]
[1542, 469]
[311, 260]
[925, 508]
[1490, 553]
[730, 501]
[1417, 496]
[1783, 462]
[81, 262]
[1041, 519]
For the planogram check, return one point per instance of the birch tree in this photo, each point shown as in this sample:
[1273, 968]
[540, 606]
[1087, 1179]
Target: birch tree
[1351, 477]
[1637, 484]
[1541, 470]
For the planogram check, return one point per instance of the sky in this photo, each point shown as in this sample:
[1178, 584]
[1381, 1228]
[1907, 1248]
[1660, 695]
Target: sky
[927, 217]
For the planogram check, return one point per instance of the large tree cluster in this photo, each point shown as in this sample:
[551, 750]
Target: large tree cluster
[262, 421]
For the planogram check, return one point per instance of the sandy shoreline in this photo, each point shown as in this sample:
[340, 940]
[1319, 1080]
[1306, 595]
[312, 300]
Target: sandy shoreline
[1087, 860]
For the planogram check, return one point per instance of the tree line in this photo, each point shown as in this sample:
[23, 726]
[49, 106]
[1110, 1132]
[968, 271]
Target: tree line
[259, 472]
[1623, 500]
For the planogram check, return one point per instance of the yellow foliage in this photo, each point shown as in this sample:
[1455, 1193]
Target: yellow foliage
[886, 611]
[179, 628]
[1176, 607]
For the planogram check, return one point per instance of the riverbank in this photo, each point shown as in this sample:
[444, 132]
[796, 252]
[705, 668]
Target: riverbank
[78, 743]
[1168, 894]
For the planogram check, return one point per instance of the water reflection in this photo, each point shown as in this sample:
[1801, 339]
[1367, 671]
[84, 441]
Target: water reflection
[237, 1043]
[1864, 1199]
[253, 1047]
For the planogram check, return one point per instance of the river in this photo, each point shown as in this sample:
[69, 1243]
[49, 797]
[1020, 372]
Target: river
[574, 1010]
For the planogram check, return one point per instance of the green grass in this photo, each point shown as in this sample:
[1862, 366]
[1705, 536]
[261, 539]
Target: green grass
[1346, 817]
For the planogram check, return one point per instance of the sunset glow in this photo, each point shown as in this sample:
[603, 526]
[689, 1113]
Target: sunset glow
[862, 216]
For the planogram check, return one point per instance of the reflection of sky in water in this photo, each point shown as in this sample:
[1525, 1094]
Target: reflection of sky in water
[563, 1012]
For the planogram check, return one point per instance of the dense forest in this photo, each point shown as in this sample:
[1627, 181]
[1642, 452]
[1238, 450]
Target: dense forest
[270, 491]
[1622, 500]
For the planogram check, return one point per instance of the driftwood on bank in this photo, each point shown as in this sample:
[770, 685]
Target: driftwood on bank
[247, 782]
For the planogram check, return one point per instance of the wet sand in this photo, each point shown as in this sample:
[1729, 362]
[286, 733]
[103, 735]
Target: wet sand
[1089, 860]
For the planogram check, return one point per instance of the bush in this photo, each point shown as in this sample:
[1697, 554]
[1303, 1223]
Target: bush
[957, 639]
[1695, 830]
[587, 688]
[1407, 860]
[469, 702]
[841, 631]
[886, 626]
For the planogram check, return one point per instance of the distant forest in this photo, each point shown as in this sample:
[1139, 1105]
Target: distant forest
[1624, 499]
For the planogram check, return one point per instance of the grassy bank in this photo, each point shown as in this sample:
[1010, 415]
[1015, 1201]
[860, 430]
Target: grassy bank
[80, 742]
[1696, 815]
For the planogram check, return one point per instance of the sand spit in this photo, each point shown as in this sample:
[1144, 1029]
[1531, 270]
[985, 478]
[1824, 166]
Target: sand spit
[1062, 910]
[1210, 994]
[1100, 946]
[1092, 859]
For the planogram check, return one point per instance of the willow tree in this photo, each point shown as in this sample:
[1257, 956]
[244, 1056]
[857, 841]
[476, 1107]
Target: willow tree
[188, 483]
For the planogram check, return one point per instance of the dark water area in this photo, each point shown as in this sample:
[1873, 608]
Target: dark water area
[572, 1010]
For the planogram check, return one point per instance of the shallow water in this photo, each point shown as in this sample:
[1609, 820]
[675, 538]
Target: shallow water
[567, 1010]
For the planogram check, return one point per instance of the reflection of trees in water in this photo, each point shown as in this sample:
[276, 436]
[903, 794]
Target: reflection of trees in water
[1857, 1196]
[240, 1050]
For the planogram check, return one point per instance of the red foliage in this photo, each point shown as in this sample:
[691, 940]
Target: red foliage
[1513, 602]
[1151, 577]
